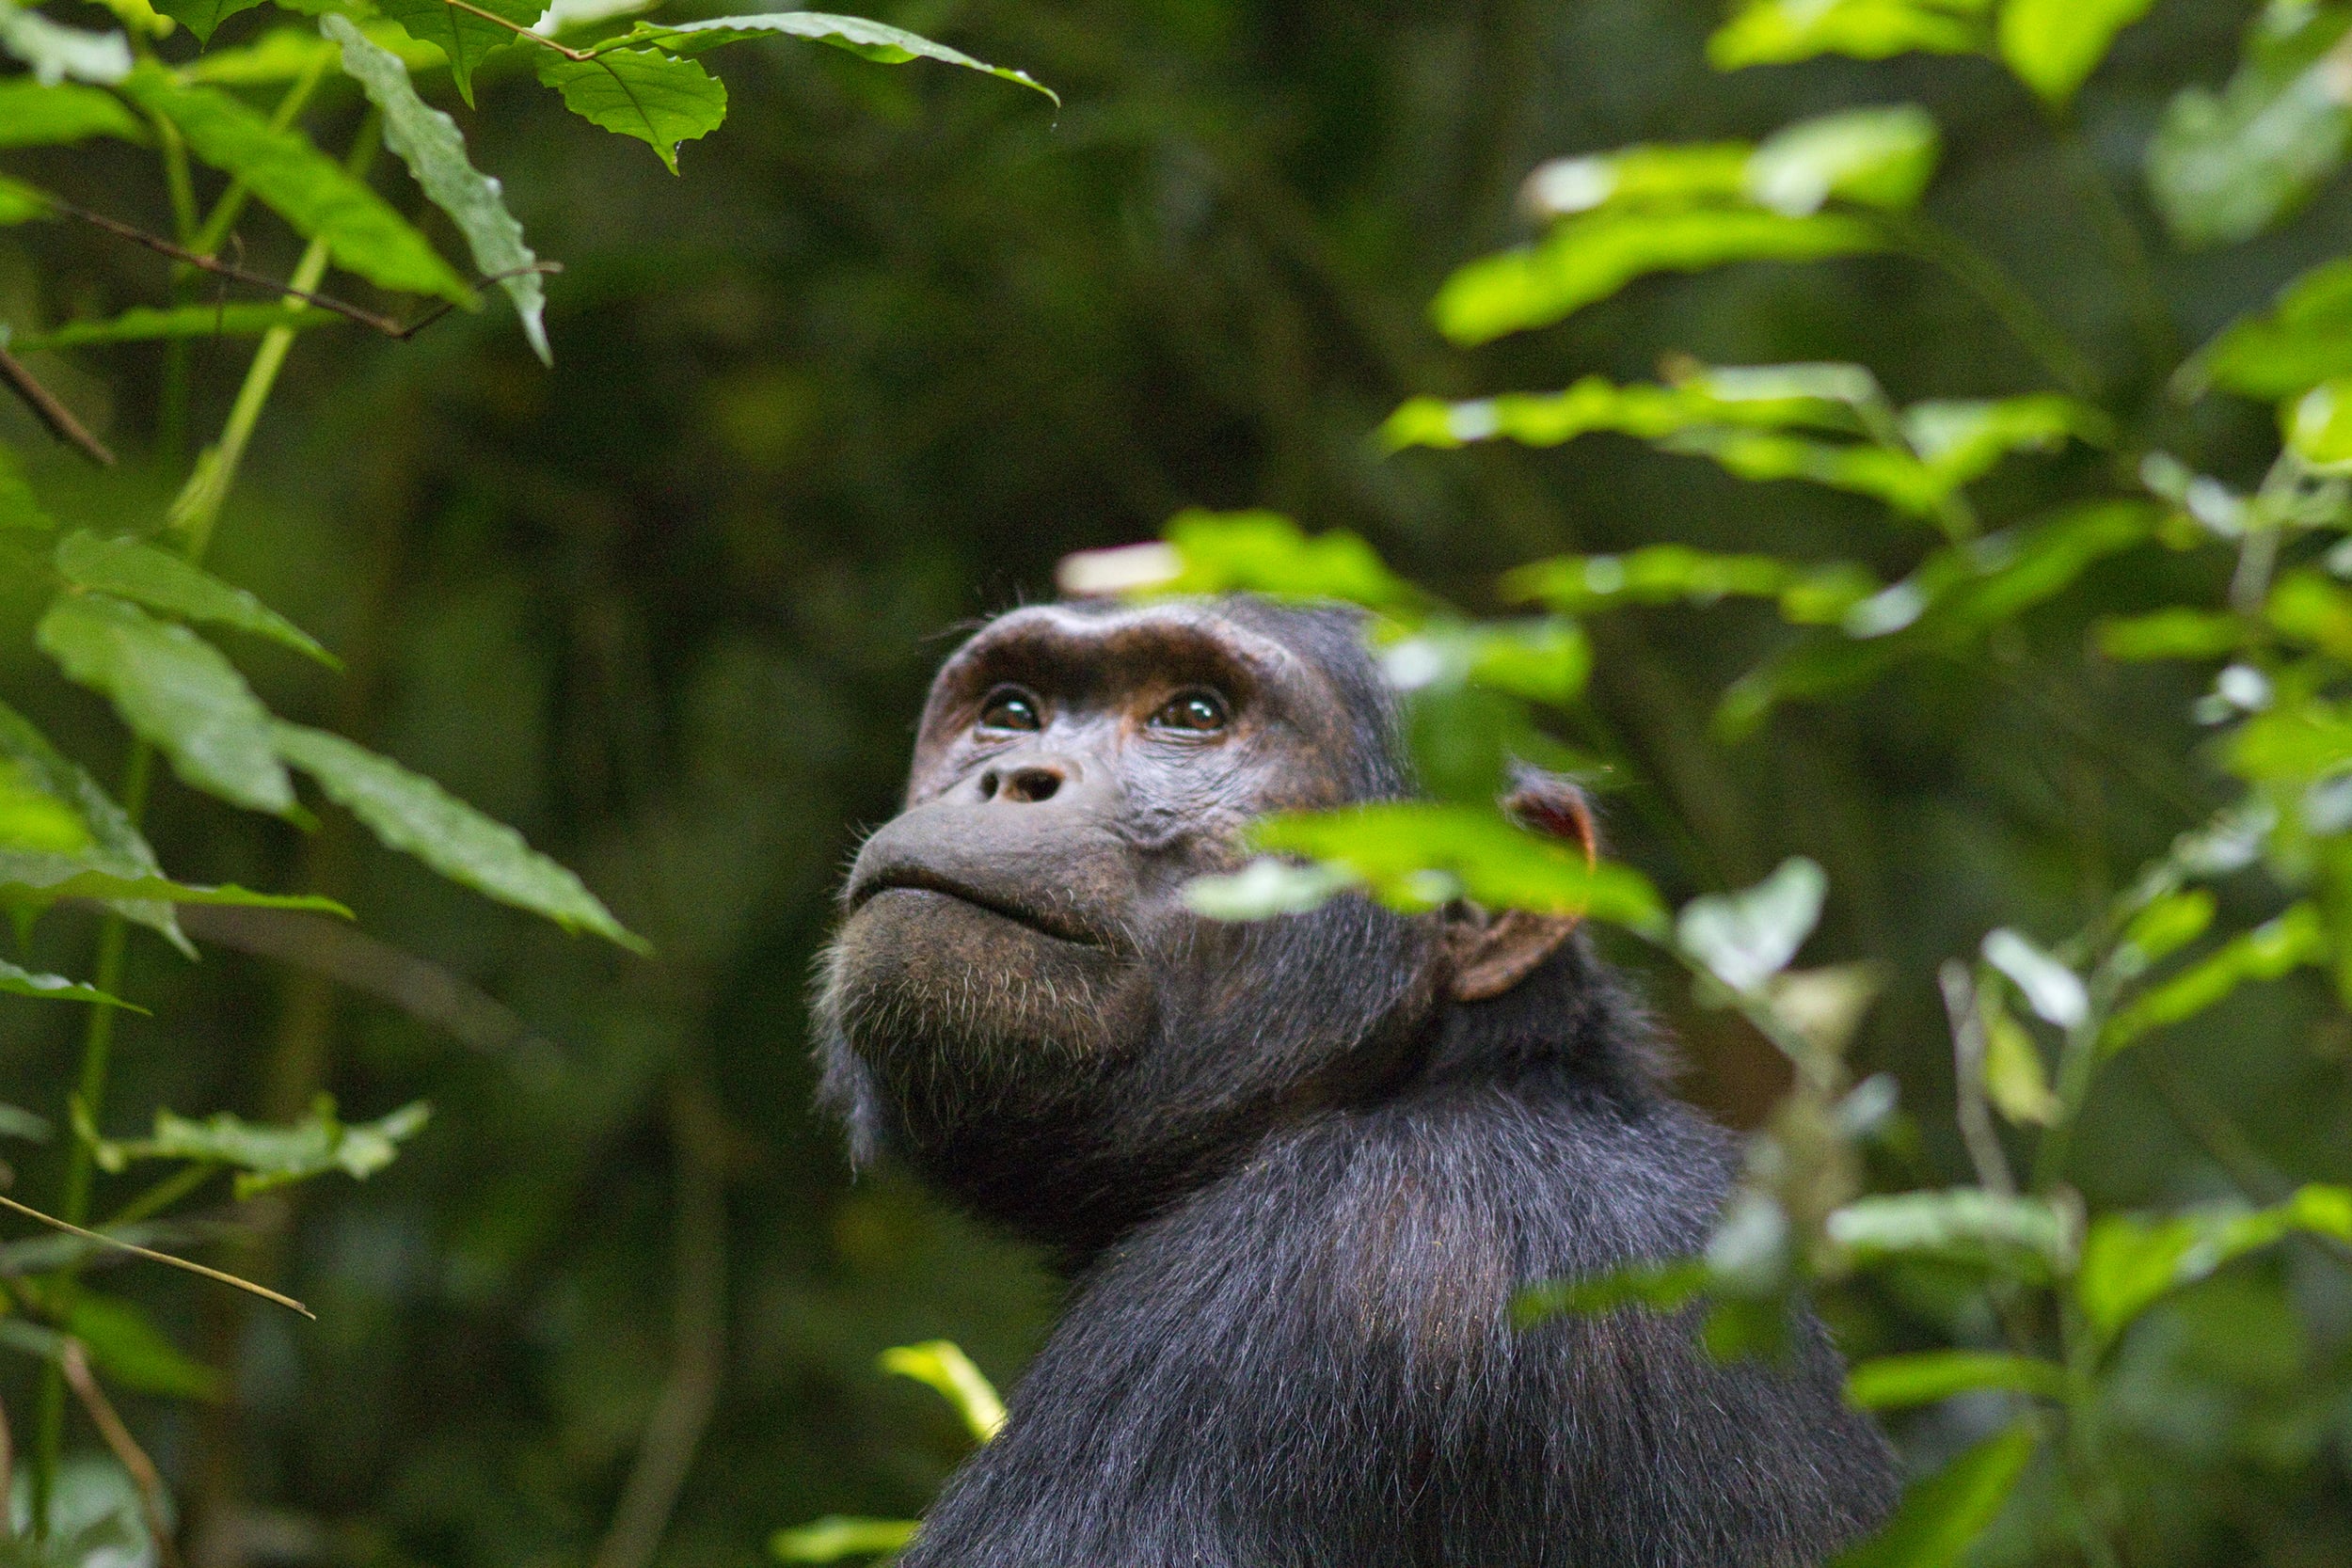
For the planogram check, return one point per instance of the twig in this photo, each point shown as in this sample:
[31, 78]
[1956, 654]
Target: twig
[52, 413]
[527, 34]
[1974, 1116]
[152, 1256]
[390, 327]
[7, 1459]
[126, 1450]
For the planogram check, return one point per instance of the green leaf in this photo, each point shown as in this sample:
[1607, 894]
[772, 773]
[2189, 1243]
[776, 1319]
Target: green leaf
[2023, 1236]
[1880, 158]
[1544, 660]
[411, 814]
[1960, 439]
[54, 988]
[1418, 855]
[872, 40]
[1898, 1382]
[2164, 926]
[1595, 404]
[467, 39]
[1665, 1287]
[2270, 951]
[267, 1156]
[306, 187]
[428, 141]
[33, 115]
[1744, 939]
[145, 323]
[129, 1349]
[2175, 633]
[56, 822]
[2319, 426]
[1590, 258]
[203, 17]
[100, 885]
[174, 689]
[162, 579]
[1777, 32]
[2302, 341]
[1265, 552]
[2308, 608]
[58, 53]
[286, 53]
[2014, 1077]
[940, 1364]
[2225, 167]
[837, 1536]
[1938, 1516]
[22, 204]
[656, 98]
[1680, 175]
[2054, 45]
[1666, 573]
[2129, 1264]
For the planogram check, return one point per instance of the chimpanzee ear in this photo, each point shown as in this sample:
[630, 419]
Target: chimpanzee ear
[1488, 952]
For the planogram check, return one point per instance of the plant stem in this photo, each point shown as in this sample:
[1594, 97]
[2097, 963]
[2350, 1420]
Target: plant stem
[160, 1196]
[224, 216]
[2015, 309]
[2152, 318]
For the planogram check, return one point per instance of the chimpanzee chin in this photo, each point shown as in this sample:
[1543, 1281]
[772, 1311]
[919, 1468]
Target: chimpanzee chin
[1295, 1168]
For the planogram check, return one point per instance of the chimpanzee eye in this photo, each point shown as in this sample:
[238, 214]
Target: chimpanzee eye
[1009, 708]
[1200, 710]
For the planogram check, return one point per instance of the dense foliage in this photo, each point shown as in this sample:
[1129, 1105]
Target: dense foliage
[2028, 681]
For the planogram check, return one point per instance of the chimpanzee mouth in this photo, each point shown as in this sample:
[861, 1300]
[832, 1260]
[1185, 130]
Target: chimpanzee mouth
[913, 879]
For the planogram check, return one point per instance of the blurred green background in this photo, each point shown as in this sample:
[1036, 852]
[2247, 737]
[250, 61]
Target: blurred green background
[894, 342]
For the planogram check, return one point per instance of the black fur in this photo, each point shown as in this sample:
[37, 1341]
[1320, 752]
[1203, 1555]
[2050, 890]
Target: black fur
[1296, 1215]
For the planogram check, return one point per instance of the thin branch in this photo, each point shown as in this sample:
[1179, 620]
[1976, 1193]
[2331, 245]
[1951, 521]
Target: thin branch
[1974, 1116]
[126, 1450]
[152, 1256]
[523, 32]
[389, 326]
[52, 413]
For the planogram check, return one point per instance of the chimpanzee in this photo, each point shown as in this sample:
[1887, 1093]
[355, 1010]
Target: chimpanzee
[1296, 1169]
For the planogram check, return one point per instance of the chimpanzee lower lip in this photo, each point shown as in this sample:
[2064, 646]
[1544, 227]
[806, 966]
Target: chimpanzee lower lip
[914, 882]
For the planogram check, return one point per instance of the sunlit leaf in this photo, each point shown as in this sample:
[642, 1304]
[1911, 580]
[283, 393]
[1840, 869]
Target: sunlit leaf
[2270, 951]
[22, 204]
[57, 53]
[1897, 1381]
[1592, 257]
[2308, 608]
[267, 1156]
[1595, 404]
[145, 323]
[127, 1348]
[659, 98]
[429, 143]
[1542, 662]
[2304, 340]
[466, 38]
[174, 689]
[2175, 633]
[1661, 1287]
[202, 17]
[1640, 176]
[1775, 32]
[1745, 938]
[411, 814]
[1418, 855]
[162, 579]
[2224, 166]
[1265, 552]
[54, 988]
[33, 115]
[1880, 158]
[873, 40]
[2014, 1077]
[2050, 989]
[2129, 1264]
[837, 1536]
[1666, 573]
[306, 187]
[940, 1364]
[1264, 888]
[1938, 1517]
[1963, 1224]
[56, 822]
[2319, 425]
[1960, 439]
[2167, 925]
[286, 53]
[2054, 45]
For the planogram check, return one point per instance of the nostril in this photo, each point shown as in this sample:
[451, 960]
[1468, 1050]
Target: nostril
[1032, 785]
[987, 784]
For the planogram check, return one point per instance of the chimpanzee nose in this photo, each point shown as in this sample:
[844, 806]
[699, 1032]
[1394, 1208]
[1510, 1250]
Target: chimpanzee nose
[1029, 783]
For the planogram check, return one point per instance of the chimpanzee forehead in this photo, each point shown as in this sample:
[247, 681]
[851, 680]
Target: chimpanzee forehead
[1240, 644]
